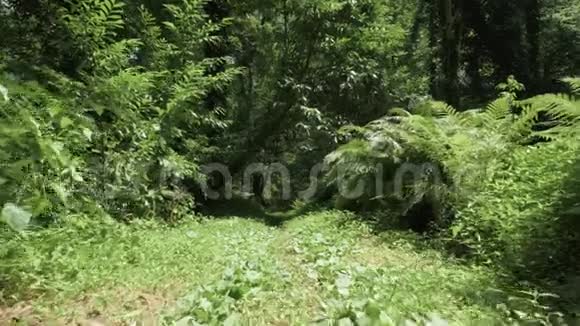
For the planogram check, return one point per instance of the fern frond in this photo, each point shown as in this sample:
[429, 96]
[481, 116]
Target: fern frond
[94, 23]
[497, 110]
[435, 109]
[399, 112]
[523, 126]
[574, 85]
[562, 110]
[558, 106]
[442, 108]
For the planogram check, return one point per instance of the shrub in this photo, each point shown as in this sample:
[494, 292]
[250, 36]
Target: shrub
[500, 194]
[122, 135]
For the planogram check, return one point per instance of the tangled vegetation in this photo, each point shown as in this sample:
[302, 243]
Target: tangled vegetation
[476, 158]
[374, 162]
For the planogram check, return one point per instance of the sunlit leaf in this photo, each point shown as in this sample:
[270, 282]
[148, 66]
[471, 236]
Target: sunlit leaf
[16, 217]
[4, 93]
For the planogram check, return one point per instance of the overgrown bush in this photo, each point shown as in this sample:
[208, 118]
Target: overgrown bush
[123, 134]
[499, 182]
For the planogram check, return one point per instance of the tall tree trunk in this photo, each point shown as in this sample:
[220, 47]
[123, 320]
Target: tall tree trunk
[451, 38]
[433, 46]
[533, 34]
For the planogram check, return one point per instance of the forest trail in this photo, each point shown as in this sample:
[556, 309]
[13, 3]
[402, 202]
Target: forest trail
[316, 268]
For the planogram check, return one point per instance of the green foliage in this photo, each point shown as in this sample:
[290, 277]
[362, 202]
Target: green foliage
[313, 67]
[109, 109]
[93, 24]
[119, 136]
[324, 268]
[496, 190]
[215, 304]
[574, 84]
[16, 217]
[439, 136]
[507, 228]
[39, 170]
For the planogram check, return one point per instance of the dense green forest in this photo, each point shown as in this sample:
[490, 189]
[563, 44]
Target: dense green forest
[332, 162]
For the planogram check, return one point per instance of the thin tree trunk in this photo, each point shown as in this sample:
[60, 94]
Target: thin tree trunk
[451, 37]
[433, 46]
[533, 34]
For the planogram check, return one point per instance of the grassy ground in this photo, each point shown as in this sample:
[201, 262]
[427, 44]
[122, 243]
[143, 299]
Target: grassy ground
[319, 268]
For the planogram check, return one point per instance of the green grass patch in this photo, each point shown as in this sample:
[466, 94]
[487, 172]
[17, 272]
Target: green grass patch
[321, 268]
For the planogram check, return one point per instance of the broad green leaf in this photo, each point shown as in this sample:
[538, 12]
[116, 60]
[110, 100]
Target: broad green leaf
[205, 304]
[16, 217]
[373, 310]
[232, 320]
[253, 276]
[55, 110]
[437, 321]
[60, 192]
[456, 229]
[65, 122]
[88, 134]
[170, 25]
[4, 93]
[343, 283]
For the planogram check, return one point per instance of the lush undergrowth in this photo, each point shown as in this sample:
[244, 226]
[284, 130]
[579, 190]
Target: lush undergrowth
[499, 184]
[322, 267]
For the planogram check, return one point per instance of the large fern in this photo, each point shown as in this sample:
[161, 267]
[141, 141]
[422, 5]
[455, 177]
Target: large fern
[563, 113]
[438, 109]
[387, 145]
[573, 84]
